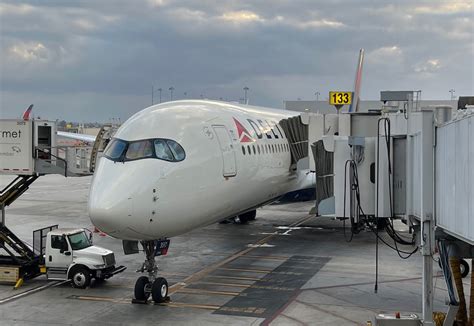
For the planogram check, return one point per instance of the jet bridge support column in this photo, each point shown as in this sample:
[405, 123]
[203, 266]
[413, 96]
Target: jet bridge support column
[427, 210]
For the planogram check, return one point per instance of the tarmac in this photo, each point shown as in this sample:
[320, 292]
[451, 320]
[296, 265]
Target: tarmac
[285, 268]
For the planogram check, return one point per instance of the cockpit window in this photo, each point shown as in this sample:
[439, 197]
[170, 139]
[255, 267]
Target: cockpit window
[177, 150]
[139, 149]
[162, 150]
[115, 149]
[120, 150]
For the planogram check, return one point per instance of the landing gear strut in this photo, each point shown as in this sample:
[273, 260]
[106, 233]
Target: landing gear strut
[152, 285]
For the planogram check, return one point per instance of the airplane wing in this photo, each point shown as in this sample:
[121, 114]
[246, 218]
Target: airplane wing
[72, 135]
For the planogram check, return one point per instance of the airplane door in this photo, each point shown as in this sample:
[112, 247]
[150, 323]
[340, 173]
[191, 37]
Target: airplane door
[228, 154]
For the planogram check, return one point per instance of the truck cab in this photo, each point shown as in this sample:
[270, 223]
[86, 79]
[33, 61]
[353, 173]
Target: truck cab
[70, 255]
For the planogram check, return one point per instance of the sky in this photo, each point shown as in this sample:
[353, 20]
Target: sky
[96, 60]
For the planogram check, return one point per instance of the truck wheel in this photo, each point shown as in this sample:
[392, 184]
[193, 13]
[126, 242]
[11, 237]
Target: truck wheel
[142, 288]
[159, 291]
[80, 277]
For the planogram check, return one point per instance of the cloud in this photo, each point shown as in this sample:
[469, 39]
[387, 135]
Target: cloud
[29, 52]
[385, 54]
[9, 9]
[429, 66]
[321, 23]
[444, 8]
[281, 49]
[241, 17]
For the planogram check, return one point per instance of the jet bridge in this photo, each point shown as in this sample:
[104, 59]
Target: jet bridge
[400, 161]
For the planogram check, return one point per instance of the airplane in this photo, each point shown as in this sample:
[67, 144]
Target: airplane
[181, 165]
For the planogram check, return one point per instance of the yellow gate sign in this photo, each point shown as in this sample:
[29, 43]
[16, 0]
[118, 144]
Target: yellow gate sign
[340, 98]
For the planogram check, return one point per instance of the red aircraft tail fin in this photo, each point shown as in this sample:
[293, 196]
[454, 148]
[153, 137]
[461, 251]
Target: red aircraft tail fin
[26, 114]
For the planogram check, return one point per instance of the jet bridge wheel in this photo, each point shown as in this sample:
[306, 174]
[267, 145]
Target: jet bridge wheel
[142, 288]
[159, 291]
[464, 266]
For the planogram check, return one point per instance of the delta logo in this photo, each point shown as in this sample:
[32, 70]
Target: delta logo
[244, 135]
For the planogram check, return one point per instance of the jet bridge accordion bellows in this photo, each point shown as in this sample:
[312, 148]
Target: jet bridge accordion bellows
[297, 134]
[324, 169]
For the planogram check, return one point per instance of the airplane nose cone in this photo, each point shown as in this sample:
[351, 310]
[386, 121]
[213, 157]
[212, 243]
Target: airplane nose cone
[108, 211]
[110, 202]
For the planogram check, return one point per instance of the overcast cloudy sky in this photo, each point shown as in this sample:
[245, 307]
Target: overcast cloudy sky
[92, 60]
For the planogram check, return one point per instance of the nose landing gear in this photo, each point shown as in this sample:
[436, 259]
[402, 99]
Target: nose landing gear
[152, 285]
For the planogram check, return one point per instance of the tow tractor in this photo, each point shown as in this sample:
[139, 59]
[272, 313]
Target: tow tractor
[28, 150]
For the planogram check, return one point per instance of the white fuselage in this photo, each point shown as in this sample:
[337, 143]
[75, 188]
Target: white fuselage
[150, 198]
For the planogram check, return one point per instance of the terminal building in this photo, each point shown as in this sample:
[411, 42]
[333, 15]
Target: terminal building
[324, 107]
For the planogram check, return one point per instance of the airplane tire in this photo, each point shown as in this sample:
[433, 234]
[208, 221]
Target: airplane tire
[251, 215]
[141, 288]
[240, 219]
[159, 291]
[80, 277]
[246, 217]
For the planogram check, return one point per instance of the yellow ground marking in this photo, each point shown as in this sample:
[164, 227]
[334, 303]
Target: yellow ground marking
[166, 304]
[235, 285]
[204, 292]
[189, 305]
[262, 271]
[241, 278]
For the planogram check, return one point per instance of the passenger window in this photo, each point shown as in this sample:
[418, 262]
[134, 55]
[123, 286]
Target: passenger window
[58, 242]
[243, 150]
[258, 147]
[177, 150]
[139, 149]
[254, 151]
[248, 150]
[162, 150]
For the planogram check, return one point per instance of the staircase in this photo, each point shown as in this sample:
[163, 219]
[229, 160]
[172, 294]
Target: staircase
[13, 251]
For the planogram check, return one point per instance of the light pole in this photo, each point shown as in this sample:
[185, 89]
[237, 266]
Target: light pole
[153, 94]
[317, 95]
[452, 91]
[171, 89]
[246, 89]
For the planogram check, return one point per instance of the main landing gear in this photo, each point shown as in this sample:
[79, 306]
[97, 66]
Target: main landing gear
[245, 217]
[152, 285]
